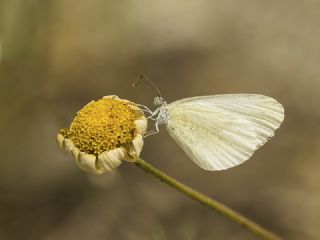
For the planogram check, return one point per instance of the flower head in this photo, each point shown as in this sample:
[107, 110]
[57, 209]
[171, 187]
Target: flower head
[103, 133]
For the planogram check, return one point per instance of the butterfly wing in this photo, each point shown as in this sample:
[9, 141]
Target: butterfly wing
[221, 131]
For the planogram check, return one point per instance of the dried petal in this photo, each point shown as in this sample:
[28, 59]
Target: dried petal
[141, 125]
[60, 139]
[87, 162]
[110, 160]
[75, 152]
[67, 145]
[135, 148]
[111, 96]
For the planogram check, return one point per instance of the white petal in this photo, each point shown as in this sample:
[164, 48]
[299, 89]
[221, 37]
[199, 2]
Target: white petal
[109, 160]
[67, 145]
[60, 139]
[87, 162]
[111, 96]
[141, 125]
[75, 153]
[135, 149]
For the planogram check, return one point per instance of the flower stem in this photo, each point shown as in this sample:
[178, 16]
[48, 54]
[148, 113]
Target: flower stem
[209, 202]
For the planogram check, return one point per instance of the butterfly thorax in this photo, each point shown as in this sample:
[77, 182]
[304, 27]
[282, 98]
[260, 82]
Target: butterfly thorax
[161, 111]
[162, 116]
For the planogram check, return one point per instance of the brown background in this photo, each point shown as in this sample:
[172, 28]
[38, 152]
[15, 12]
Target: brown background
[58, 55]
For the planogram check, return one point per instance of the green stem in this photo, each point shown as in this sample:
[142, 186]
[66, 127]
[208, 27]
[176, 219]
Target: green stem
[209, 202]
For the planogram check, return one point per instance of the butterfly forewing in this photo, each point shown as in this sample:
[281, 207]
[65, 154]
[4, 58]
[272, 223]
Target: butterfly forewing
[221, 131]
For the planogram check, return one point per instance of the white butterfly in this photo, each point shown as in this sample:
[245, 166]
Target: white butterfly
[220, 131]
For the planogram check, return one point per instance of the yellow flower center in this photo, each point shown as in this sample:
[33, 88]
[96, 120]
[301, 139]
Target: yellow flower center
[102, 125]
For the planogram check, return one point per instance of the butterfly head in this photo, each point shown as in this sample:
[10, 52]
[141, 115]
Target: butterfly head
[159, 101]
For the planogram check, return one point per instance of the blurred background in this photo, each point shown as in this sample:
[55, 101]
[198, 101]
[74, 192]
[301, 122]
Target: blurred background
[56, 56]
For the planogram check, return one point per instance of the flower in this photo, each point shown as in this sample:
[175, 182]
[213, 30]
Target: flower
[103, 133]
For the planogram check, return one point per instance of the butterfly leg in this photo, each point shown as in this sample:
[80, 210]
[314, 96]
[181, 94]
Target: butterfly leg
[155, 113]
[153, 131]
[145, 109]
[149, 133]
[153, 116]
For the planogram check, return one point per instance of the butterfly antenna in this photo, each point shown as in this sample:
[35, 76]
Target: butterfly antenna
[148, 84]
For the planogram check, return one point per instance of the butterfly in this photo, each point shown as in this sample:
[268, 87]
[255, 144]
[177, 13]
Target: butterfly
[218, 132]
